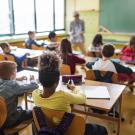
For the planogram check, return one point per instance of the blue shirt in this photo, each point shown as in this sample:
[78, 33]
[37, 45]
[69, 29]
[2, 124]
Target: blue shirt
[29, 42]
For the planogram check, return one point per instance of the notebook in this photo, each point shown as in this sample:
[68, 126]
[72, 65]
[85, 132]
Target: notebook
[95, 92]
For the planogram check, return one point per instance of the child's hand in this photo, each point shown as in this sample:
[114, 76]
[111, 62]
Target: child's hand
[22, 78]
[32, 77]
[70, 86]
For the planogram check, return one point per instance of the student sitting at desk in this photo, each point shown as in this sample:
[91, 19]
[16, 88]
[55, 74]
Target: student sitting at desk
[97, 43]
[128, 52]
[10, 90]
[31, 41]
[21, 61]
[68, 57]
[53, 44]
[106, 64]
[49, 76]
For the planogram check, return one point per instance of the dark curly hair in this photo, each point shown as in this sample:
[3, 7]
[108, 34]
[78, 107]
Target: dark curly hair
[49, 69]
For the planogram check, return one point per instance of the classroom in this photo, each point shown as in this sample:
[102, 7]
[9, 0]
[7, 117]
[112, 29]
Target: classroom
[67, 67]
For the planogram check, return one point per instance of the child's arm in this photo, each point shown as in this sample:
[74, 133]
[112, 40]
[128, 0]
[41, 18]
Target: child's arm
[75, 97]
[122, 69]
[22, 88]
[78, 60]
[90, 64]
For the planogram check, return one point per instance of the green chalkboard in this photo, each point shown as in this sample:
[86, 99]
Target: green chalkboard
[118, 15]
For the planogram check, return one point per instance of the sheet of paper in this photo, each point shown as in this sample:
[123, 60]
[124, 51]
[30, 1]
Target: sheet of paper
[95, 92]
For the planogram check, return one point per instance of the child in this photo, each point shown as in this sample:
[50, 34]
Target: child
[10, 89]
[68, 57]
[128, 52]
[53, 45]
[21, 61]
[49, 76]
[106, 64]
[97, 43]
[31, 41]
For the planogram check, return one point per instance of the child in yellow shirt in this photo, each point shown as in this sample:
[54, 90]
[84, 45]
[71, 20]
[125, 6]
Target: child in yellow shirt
[49, 76]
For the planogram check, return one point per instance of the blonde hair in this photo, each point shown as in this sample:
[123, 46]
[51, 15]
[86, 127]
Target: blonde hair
[6, 69]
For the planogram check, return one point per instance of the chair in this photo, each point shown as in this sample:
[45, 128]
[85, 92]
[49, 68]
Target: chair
[6, 57]
[65, 69]
[34, 47]
[9, 57]
[90, 75]
[3, 110]
[76, 128]
[3, 116]
[94, 54]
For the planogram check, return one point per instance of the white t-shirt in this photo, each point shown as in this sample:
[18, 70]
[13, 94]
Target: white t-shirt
[104, 65]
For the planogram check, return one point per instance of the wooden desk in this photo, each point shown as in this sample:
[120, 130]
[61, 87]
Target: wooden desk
[22, 51]
[115, 91]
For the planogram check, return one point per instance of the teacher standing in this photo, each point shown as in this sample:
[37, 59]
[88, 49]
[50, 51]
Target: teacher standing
[77, 29]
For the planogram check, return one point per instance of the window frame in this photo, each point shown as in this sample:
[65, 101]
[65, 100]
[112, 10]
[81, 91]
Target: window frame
[12, 20]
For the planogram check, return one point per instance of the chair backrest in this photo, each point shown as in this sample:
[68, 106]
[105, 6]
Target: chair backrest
[34, 47]
[94, 54]
[3, 111]
[90, 75]
[77, 126]
[9, 57]
[65, 69]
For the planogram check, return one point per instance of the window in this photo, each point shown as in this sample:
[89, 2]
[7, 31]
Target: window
[4, 17]
[44, 15]
[20, 16]
[59, 14]
[23, 16]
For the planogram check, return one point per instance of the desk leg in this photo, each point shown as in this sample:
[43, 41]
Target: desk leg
[120, 113]
[26, 103]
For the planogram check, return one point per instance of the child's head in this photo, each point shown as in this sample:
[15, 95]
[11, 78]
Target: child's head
[7, 70]
[97, 41]
[65, 47]
[49, 70]
[5, 47]
[108, 51]
[31, 34]
[76, 15]
[52, 36]
[132, 42]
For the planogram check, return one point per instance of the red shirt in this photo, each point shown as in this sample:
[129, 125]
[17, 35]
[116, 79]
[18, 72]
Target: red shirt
[127, 54]
[72, 60]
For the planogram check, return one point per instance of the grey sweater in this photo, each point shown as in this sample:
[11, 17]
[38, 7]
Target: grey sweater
[10, 90]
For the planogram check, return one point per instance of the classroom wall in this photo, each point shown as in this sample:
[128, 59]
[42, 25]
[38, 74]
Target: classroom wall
[89, 10]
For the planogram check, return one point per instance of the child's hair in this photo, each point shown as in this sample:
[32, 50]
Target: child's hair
[132, 41]
[51, 35]
[108, 50]
[97, 41]
[65, 46]
[6, 69]
[4, 45]
[30, 32]
[49, 69]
